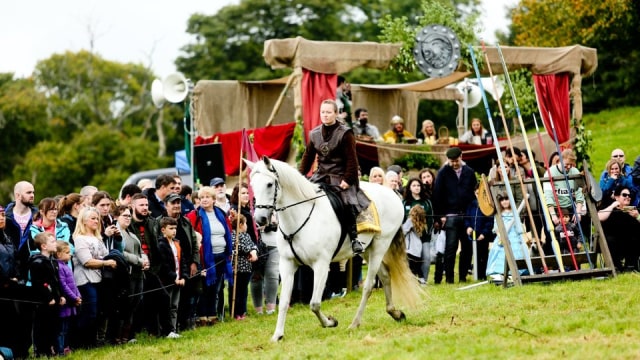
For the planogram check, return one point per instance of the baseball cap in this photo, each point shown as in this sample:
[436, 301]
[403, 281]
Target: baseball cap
[172, 197]
[216, 181]
[395, 168]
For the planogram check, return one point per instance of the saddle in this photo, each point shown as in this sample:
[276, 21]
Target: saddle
[338, 207]
[367, 220]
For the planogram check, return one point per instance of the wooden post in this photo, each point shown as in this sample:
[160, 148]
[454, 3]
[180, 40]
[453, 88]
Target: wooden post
[276, 107]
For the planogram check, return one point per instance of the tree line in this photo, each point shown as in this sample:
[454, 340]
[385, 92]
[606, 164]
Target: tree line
[81, 119]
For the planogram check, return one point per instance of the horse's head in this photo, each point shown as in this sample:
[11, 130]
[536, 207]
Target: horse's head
[265, 185]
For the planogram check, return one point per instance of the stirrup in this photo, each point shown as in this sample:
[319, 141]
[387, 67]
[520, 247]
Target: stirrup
[357, 247]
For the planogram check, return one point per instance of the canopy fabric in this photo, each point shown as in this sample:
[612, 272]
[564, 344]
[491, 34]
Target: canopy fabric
[316, 88]
[221, 106]
[272, 141]
[577, 59]
[552, 92]
[227, 106]
[328, 57]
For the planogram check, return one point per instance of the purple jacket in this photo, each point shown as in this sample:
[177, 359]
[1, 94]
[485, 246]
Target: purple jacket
[69, 289]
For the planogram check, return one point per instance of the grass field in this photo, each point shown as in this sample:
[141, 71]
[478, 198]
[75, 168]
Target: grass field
[595, 319]
[619, 128]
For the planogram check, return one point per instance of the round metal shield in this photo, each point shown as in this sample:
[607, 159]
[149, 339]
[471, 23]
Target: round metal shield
[437, 50]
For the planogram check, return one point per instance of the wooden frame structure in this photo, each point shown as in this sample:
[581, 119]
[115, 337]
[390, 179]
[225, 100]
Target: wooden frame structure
[597, 246]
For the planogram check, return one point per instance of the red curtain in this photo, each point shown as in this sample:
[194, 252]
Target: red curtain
[316, 87]
[553, 97]
[273, 141]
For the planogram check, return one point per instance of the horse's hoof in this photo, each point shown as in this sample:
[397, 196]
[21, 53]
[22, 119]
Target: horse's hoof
[333, 321]
[397, 315]
[400, 318]
[276, 339]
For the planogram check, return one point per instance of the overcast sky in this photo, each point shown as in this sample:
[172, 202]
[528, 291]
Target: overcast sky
[145, 32]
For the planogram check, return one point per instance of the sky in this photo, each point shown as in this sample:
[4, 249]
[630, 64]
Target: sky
[143, 32]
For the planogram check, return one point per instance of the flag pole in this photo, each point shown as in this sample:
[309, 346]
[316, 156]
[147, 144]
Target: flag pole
[237, 241]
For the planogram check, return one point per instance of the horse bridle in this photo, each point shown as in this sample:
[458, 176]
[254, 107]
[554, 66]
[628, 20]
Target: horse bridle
[273, 207]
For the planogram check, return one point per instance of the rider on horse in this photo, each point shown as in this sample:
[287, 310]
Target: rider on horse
[335, 147]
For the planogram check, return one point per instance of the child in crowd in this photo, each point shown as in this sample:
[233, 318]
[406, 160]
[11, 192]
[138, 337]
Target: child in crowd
[416, 233]
[244, 253]
[479, 229]
[570, 236]
[172, 274]
[46, 289]
[496, 261]
[69, 291]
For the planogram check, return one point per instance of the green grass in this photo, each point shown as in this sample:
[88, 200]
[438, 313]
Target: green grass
[619, 128]
[596, 319]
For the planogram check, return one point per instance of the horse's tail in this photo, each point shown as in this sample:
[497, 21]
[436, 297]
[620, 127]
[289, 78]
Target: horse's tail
[404, 285]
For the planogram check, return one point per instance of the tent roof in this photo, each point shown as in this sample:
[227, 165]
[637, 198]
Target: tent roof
[329, 57]
[422, 85]
[576, 59]
[333, 57]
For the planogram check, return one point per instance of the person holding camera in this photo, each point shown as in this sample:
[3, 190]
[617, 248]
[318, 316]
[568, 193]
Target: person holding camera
[621, 226]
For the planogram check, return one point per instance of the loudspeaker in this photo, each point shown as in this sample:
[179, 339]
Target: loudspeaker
[473, 93]
[175, 88]
[209, 162]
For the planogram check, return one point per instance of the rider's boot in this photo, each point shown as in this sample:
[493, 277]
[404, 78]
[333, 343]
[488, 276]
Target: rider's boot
[356, 245]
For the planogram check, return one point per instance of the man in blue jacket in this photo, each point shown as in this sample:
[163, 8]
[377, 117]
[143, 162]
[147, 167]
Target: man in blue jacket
[19, 215]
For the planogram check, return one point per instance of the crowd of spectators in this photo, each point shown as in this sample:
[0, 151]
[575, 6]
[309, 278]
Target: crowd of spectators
[84, 270]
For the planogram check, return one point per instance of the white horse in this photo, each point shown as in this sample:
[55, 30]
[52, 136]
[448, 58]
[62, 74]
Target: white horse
[311, 235]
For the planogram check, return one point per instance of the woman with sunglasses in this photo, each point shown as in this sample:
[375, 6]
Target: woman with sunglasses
[621, 226]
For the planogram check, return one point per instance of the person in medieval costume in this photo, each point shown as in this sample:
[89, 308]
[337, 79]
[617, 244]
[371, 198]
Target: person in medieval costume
[335, 147]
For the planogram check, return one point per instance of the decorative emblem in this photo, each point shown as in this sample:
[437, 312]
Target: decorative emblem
[437, 50]
[324, 149]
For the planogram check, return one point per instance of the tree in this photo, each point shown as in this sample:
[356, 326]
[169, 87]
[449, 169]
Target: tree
[229, 44]
[23, 122]
[101, 156]
[83, 88]
[607, 25]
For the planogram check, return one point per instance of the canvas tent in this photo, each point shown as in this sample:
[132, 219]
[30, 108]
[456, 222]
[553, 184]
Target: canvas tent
[221, 106]
[224, 106]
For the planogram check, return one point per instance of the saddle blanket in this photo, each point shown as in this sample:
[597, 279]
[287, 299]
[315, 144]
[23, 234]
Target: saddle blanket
[368, 220]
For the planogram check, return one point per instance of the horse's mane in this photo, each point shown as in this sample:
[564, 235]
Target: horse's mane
[290, 178]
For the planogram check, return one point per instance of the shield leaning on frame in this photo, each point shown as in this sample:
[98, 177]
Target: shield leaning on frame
[437, 50]
[485, 201]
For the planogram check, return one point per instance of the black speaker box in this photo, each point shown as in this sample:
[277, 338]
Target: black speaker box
[209, 162]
